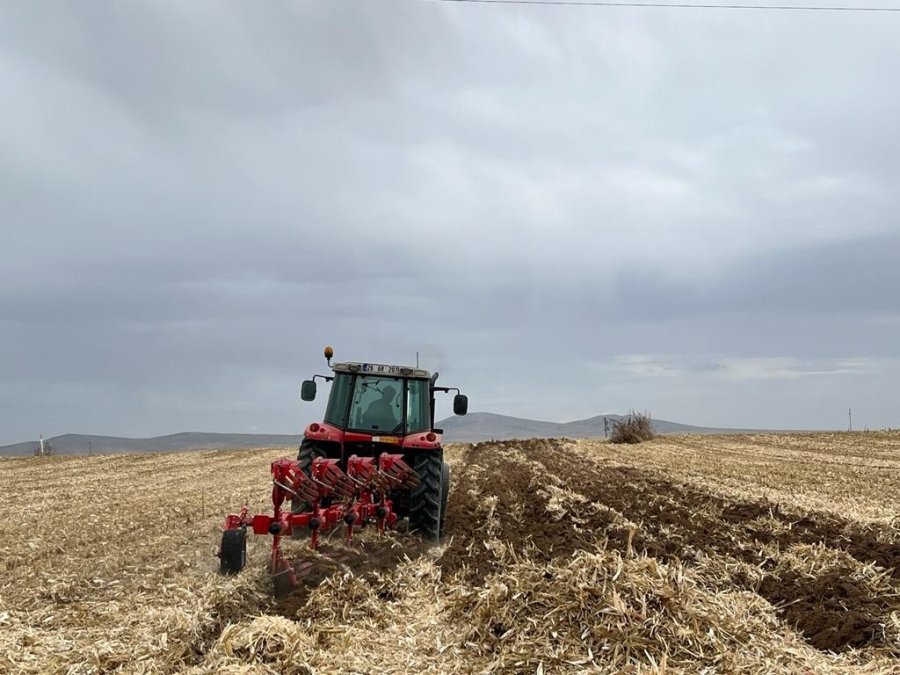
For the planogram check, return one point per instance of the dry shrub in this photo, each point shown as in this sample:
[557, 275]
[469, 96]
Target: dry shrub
[633, 428]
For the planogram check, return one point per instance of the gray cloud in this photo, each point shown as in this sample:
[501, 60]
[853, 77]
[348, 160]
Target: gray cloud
[195, 198]
[856, 276]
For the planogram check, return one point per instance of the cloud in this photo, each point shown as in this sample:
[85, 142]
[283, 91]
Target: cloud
[740, 368]
[195, 198]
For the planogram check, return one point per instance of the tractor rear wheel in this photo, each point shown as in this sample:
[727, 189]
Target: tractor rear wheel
[233, 551]
[425, 499]
[308, 452]
[445, 491]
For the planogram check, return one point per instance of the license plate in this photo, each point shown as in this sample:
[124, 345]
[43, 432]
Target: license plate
[379, 369]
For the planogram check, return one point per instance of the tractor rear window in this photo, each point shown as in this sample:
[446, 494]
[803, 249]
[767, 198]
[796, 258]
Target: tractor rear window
[388, 405]
[377, 404]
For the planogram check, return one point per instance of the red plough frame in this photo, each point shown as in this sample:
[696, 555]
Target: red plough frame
[355, 498]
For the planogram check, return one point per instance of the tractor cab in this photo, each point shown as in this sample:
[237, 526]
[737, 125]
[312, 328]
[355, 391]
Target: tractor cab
[379, 399]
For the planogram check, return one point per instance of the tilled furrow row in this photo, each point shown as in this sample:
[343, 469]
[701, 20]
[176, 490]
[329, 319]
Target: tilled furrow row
[839, 608]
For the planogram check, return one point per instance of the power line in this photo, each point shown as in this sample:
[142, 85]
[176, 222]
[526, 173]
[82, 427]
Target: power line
[679, 5]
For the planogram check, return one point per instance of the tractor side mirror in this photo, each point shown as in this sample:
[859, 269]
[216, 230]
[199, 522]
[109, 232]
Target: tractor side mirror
[308, 390]
[460, 404]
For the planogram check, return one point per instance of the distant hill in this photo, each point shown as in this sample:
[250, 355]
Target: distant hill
[79, 444]
[486, 426]
[470, 428]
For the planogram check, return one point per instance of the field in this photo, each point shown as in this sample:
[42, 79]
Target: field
[751, 554]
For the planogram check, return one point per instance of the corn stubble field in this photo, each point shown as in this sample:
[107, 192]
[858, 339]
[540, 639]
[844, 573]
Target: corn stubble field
[751, 554]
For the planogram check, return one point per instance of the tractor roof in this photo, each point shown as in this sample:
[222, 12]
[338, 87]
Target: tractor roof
[381, 369]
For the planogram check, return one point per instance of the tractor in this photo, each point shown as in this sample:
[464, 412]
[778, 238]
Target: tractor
[375, 459]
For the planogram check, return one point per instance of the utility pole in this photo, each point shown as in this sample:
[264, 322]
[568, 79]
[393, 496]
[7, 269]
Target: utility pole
[850, 417]
[417, 359]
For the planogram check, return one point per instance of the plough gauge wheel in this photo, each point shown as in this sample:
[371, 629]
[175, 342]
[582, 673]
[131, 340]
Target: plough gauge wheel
[233, 552]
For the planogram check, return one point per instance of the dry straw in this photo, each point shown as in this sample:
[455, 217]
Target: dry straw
[675, 556]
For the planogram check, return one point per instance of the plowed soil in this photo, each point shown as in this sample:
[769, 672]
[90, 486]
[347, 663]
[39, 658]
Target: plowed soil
[676, 522]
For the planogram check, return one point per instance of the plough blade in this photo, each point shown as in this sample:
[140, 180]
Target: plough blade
[396, 473]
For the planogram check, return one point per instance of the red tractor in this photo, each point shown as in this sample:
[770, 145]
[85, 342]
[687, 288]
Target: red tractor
[375, 459]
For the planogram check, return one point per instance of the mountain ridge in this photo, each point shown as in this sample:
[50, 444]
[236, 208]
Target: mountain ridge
[486, 426]
[474, 427]
[83, 444]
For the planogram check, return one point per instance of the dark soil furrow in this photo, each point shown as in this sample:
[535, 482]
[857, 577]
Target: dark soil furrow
[520, 515]
[710, 521]
[677, 521]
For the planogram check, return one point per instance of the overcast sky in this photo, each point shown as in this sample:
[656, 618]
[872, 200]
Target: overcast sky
[567, 211]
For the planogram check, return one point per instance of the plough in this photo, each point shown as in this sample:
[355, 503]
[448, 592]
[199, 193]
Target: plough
[353, 499]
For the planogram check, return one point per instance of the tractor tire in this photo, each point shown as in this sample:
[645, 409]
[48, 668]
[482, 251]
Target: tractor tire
[445, 491]
[425, 499]
[233, 551]
[308, 452]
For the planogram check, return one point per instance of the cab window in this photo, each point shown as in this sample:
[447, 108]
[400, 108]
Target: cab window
[377, 404]
[418, 408]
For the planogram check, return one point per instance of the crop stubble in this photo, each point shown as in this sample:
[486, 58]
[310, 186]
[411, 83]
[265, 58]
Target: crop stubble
[560, 555]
